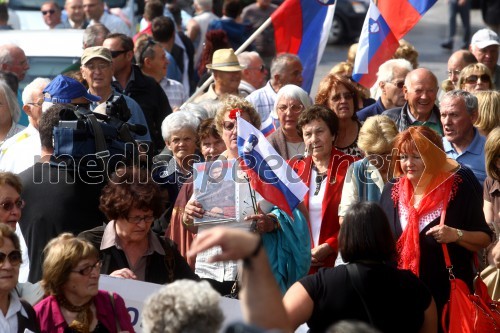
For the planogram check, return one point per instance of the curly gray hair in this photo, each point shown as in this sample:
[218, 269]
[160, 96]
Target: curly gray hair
[183, 306]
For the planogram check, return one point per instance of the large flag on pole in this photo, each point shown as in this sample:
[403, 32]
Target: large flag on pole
[269, 174]
[377, 44]
[301, 27]
[386, 22]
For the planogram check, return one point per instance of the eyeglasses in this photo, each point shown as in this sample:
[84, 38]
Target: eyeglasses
[261, 69]
[294, 108]
[39, 104]
[87, 270]
[398, 84]
[15, 258]
[228, 125]
[149, 43]
[9, 205]
[99, 66]
[474, 78]
[139, 219]
[345, 95]
[115, 54]
[50, 11]
[454, 72]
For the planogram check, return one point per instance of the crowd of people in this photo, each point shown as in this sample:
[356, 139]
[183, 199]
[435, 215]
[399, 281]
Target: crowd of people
[392, 172]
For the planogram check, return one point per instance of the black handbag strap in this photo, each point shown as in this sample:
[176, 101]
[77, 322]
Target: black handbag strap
[355, 277]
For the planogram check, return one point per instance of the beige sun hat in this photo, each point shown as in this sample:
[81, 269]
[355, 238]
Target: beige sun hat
[226, 61]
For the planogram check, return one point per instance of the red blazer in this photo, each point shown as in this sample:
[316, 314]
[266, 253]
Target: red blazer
[337, 169]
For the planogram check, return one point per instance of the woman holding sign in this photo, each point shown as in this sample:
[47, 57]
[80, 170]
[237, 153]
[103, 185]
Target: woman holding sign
[71, 279]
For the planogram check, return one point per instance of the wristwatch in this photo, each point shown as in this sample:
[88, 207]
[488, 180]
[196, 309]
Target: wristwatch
[460, 234]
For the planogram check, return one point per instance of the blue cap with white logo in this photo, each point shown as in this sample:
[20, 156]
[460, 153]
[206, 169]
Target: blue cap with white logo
[63, 89]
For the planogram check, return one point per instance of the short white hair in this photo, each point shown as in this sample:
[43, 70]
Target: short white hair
[184, 306]
[177, 121]
[386, 70]
[291, 91]
[38, 83]
[245, 58]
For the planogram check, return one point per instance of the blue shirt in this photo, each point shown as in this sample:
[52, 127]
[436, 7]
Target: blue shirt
[371, 110]
[472, 156]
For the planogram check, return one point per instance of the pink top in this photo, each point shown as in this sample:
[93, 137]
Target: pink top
[50, 318]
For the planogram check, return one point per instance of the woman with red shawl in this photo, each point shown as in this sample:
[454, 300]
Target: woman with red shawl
[431, 182]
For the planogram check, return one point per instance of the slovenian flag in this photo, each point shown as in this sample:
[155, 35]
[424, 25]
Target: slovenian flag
[377, 44]
[267, 128]
[411, 10]
[385, 24]
[270, 175]
[301, 27]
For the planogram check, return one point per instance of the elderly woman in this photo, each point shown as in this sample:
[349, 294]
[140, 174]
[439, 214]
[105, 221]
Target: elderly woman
[339, 95]
[211, 146]
[179, 132]
[9, 113]
[74, 303]
[432, 186]
[132, 201]
[367, 177]
[290, 102]
[488, 115]
[174, 306]
[17, 314]
[475, 77]
[323, 171]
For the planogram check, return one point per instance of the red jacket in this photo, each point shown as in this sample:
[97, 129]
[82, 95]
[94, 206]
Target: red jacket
[337, 169]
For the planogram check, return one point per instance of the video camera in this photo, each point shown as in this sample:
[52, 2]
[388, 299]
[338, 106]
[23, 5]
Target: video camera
[93, 142]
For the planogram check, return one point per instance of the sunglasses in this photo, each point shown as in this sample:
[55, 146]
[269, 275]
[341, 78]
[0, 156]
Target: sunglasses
[14, 257]
[149, 43]
[474, 78]
[345, 95]
[261, 69]
[115, 54]
[50, 11]
[87, 270]
[398, 84]
[9, 205]
[228, 125]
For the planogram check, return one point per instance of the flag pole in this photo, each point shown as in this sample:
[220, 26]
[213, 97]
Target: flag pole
[242, 48]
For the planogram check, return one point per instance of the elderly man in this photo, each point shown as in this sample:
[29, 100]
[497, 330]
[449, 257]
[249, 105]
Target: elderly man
[130, 81]
[153, 62]
[97, 70]
[51, 13]
[391, 77]
[226, 70]
[76, 16]
[286, 69]
[420, 90]
[485, 46]
[458, 61]
[254, 75]
[94, 10]
[23, 149]
[461, 140]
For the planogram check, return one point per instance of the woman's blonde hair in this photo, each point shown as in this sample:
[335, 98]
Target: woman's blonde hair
[62, 254]
[231, 102]
[488, 116]
[491, 151]
[473, 68]
[377, 135]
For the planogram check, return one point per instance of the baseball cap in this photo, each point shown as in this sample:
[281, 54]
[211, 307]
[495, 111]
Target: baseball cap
[484, 38]
[96, 52]
[62, 89]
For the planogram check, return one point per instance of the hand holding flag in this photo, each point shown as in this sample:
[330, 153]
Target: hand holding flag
[269, 173]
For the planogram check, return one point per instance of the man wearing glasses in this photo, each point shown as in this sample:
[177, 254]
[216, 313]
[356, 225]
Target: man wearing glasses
[129, 80]
[485, 47]
[23, 149]
[390, 78]
[51, 13]
[254, 75]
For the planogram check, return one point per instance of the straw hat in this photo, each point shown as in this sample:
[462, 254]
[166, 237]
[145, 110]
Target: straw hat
[226, 61]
